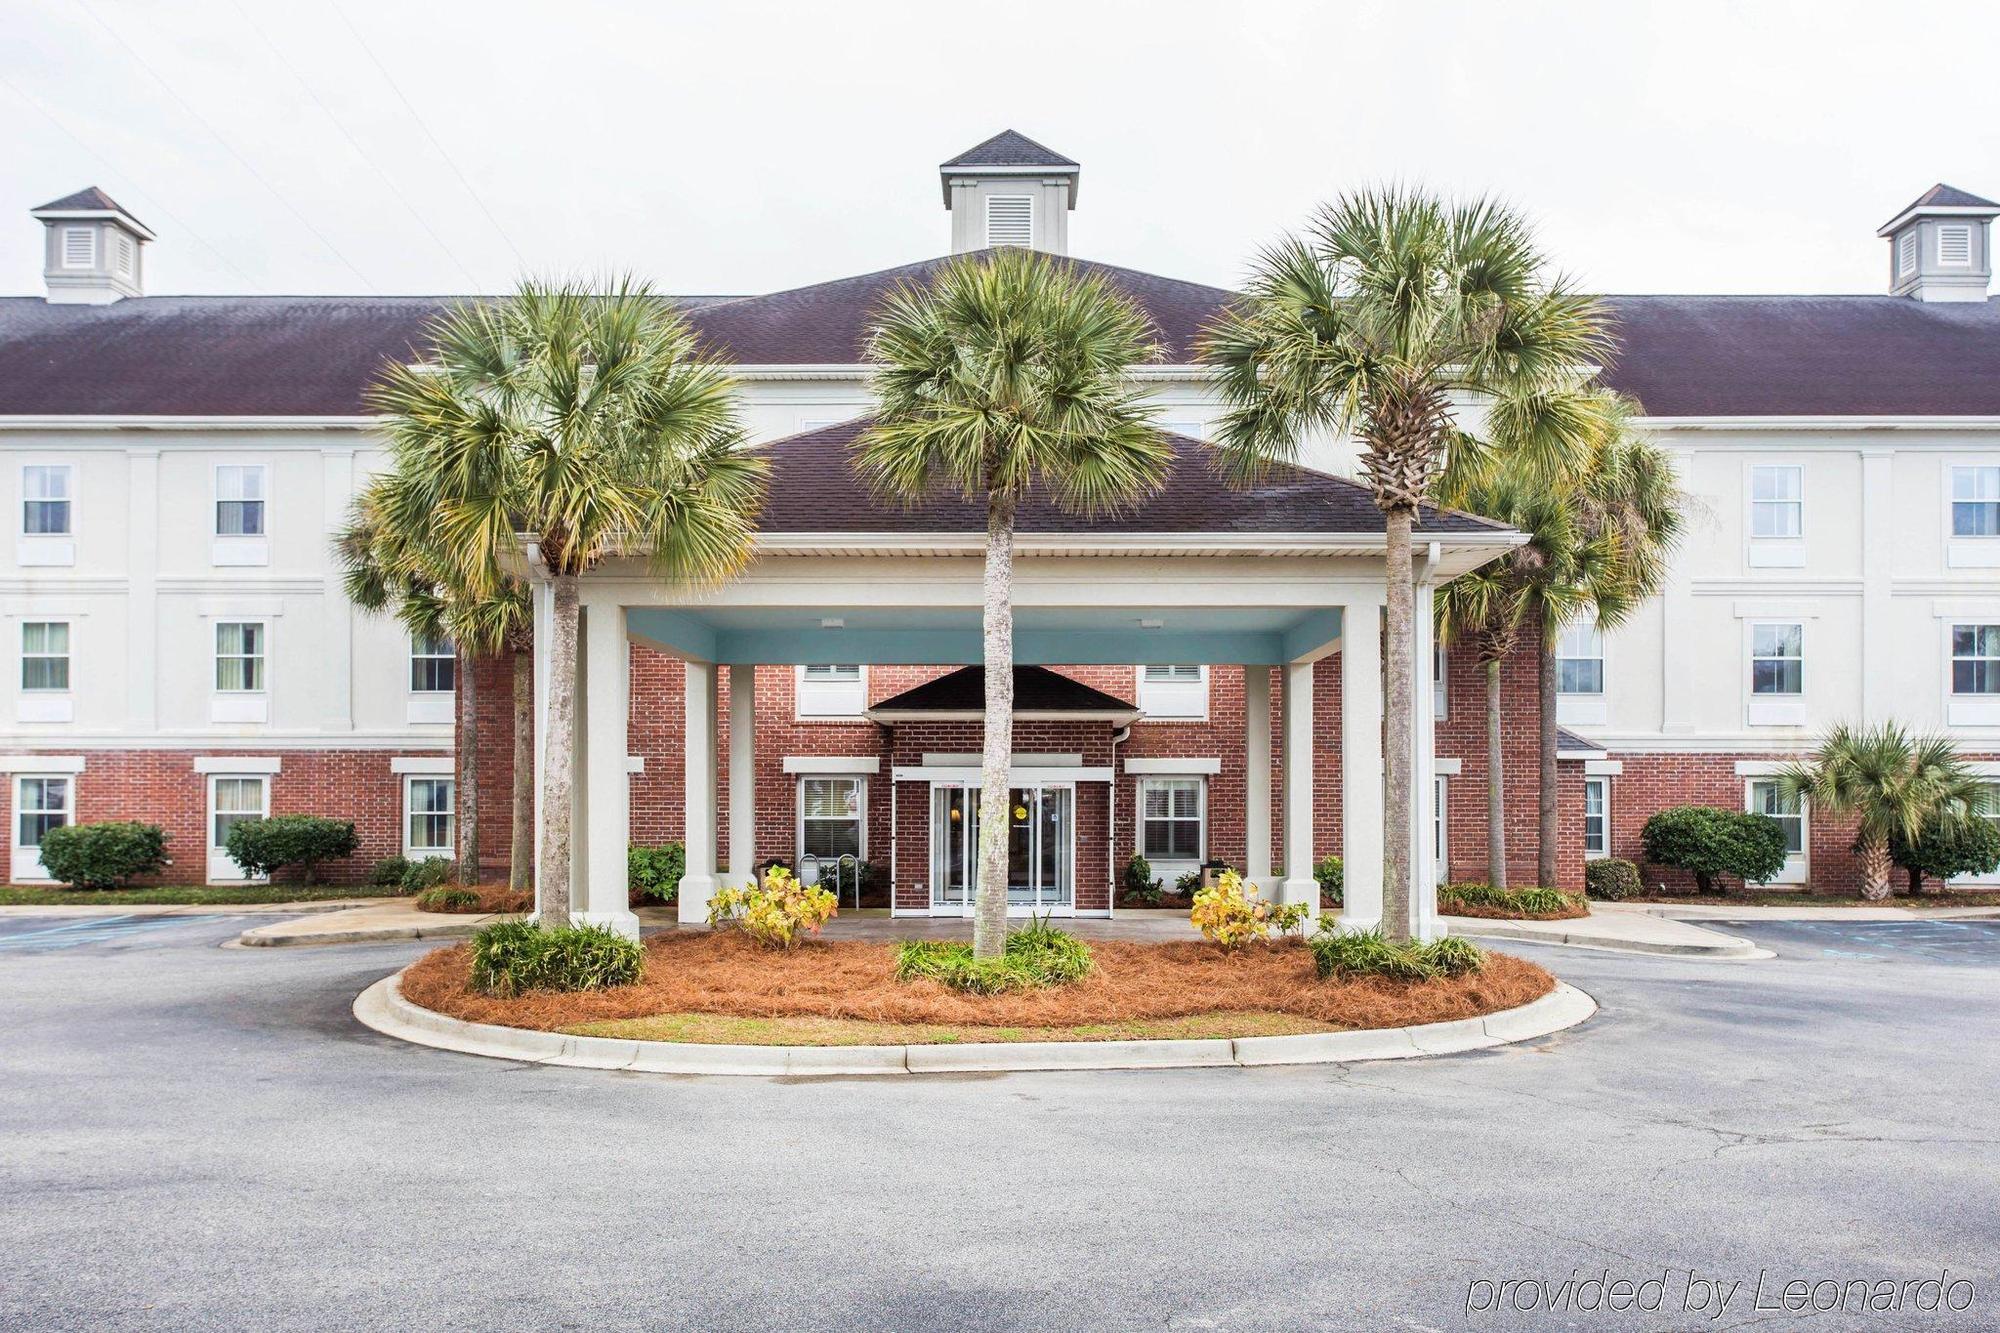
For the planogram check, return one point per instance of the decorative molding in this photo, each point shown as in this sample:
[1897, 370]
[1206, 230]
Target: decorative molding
[1447, 768]
[1174, 767]
[423, 764]
[41, 763]
[1603, 768]
[815, 764]
[1019, 760]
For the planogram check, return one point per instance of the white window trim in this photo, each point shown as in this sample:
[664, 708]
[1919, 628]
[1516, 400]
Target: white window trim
[1440, 683]
[801, 691]
[1772, 552]
[68, 656]
[1604, 780]
[23, 498]
[1774, 710]
[215, 656]
[209, 850]
[216, 499]
[1961, 228]
[1966, 710]
[1798, 866]
[410, 670]
[1167, 691]
[1972, 551]
[413, 852]
[1586, 710]
[799, 812]
[14, 811]
[1180, 863]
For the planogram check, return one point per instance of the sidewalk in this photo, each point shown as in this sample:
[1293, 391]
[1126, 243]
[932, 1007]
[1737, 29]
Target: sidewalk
[1623, 931]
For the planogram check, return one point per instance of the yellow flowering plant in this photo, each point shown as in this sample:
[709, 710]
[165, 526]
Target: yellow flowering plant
[1226, 914]
[778, 911]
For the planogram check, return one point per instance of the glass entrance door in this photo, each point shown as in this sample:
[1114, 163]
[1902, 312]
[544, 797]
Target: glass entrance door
[1040, 848]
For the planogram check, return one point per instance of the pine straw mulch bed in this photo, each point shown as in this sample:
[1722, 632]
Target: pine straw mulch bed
[492, 898]
[727, 973]
[1452, 907]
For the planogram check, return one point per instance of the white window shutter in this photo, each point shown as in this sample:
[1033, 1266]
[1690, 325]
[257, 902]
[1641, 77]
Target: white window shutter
[1010, 219]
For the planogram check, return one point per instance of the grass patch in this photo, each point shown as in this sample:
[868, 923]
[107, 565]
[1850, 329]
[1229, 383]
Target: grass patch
[727, 1030]
[1483, 900]
[725, 974]
[189, 895]
[1037, 955]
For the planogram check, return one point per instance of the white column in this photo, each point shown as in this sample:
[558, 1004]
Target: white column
[1879, 649]
[1257, 777]
[337, 670]
[1423, 786]
[142, 564]
[1299, 885]
[1680, 693]
[1361, 765]
[544, 622]
[698, 785]
[606, 816]
[742, 775]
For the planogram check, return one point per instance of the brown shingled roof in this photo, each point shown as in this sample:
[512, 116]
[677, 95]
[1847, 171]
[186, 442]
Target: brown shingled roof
[1036, 690]
[1009, 148]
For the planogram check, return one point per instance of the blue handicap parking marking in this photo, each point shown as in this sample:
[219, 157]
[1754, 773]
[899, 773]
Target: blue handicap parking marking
[98, 930]
[1948, 941]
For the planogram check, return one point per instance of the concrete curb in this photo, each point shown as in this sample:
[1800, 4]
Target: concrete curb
[281, 935]
[383, 1008]
[1730, 947]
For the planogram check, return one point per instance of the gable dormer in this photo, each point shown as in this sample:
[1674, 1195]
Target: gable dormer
[1940, 247]
[92, 252]
[1010, 191]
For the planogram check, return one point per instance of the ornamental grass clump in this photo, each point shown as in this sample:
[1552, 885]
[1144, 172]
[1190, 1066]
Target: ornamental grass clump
[1486, 900]
[447, 898]
[513, 957]
[1037, 955]
[1368, 953]
[1227, 915]
[778, 912]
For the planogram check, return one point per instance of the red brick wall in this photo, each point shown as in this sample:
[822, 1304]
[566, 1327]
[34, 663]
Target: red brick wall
[161, 787]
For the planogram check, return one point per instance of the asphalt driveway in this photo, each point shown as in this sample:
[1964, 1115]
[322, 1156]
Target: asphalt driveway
[197, 1137]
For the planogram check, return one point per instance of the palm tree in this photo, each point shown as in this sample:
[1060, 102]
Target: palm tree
[1010, 371]
[1394, 306]
[391, 569]
[1482, 610]
[588, 420]
[1892, 783]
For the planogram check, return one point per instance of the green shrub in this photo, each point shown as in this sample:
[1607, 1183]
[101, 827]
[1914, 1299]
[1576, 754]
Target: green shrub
[1331, 873]
[655, 872]
[429, 872]
[511, 957]
[1707, 842]
[1944, 848]
[103, 855]
[266, 846]
[448, 898]
[1611, 879]
[388, 872]
[1527, 902]
[1140, 886]
[1189, 884]
[1366, 953]
[1037, 955]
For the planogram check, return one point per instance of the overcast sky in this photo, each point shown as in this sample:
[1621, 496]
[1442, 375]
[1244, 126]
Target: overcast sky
[419, 146]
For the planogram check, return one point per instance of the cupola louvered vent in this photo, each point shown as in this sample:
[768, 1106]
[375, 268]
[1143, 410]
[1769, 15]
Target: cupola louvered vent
[1955, 245]
[79, 247]
[1906, 253]
[1010, 219]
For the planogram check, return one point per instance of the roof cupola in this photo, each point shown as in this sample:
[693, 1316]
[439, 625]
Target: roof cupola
[91, 252]
[1009, 191]
[1940, 247]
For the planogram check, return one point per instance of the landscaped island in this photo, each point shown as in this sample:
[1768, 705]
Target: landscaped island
[723, 986]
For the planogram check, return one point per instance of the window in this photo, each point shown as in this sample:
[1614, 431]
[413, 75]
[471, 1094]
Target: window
[1777, 659]
[1975, 659]
[432, 664]
[832, 690]
[1954, 245]
[239, 501]
[1439, 693]
[239, 656]
[1580, 660]
[1906, 253]
[1767, 798]
[1170, 819]
[79, 247]
[1596, 816]
[428, 812]
[45, 655]
[1010, 219]
[1168, 691]
[830, 817]
[1776, 501]
[45, 499]
[234, 800]
[43, 804]
[1975, 502]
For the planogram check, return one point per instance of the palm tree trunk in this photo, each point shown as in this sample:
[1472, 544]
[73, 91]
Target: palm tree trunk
[1398, 724]
[1496, 784]
[521, 855]
[1545, 749]
[559, 756]
[989, 927]
[465, 793]
[1875, 869]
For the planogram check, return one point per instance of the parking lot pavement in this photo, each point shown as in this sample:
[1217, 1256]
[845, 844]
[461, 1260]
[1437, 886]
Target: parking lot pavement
[30, 934]
[194, 1137]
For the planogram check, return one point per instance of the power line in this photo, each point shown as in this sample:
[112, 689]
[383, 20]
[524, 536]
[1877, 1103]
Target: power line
[245, 162]
[411, 108]
[154, 207]
[422, 221]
